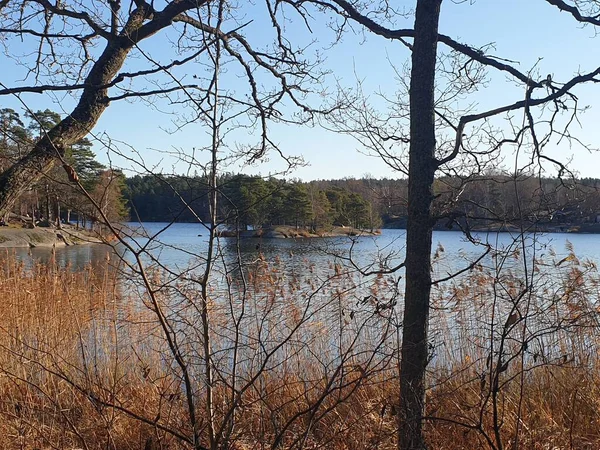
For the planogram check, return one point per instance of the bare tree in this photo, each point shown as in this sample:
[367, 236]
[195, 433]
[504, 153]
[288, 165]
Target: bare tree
[89, 61]
[443, 139]
[223, 331]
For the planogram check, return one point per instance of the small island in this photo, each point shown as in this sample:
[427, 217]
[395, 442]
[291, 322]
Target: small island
[291, 232]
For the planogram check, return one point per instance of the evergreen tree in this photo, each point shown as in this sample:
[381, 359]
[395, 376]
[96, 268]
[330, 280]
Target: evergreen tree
[298, 211]
[40, 122]
[83, 160]
[357, 210]
[14, 137]
[245, 201]
[320, 208]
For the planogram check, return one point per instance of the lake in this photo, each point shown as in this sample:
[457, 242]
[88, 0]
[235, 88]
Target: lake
[297, 287]
[182, 245]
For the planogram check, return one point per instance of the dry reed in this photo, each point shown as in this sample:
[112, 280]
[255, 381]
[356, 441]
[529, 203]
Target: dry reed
[83, 363]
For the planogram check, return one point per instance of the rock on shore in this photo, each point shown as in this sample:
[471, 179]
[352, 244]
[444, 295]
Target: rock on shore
[17, 237]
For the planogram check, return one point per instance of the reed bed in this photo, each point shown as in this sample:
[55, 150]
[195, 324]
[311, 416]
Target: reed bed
[298, 362]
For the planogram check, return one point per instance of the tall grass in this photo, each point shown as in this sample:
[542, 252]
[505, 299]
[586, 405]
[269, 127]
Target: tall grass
[300, 362]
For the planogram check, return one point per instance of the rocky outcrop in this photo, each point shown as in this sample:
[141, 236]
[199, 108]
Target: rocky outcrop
[13, 237]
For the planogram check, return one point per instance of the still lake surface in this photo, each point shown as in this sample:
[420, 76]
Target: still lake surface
[180, 248]
[182, 245]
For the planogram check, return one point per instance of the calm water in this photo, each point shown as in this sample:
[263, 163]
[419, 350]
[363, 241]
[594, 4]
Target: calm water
[179, 248]
[183, 245]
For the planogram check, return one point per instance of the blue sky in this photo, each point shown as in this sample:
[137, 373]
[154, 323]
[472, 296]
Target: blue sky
[531, 32]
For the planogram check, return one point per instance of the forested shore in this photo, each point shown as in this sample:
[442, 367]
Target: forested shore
[493, 201]
[83, 190]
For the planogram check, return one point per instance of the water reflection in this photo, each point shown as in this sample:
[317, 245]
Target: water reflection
[183, 245]
[76, 257]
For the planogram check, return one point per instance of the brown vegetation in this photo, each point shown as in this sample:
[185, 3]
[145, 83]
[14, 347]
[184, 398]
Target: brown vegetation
[83, 363]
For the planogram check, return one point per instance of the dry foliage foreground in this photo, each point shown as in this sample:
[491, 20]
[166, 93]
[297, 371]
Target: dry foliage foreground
[84, 363]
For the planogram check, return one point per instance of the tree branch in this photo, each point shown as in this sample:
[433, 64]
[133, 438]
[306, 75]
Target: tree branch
[399, 34]
[560, 4]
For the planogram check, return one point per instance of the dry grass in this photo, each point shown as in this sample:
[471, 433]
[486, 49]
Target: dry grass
[83, 364]
[57, 341]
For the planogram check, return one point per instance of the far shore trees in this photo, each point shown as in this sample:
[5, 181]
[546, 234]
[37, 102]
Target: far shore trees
[251, 201]
[493, 200]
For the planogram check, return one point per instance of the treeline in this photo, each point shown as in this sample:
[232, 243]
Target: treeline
[498, 199]
[58, 197]
[485, 200]
[250, 201]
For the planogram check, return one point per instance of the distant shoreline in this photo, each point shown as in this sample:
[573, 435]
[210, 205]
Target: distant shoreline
[288, 231]
[584, 228]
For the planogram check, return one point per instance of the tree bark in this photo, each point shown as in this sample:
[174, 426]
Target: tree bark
[57, 213]
[422, 167]
[92, 103]
[16, 179]
[47, 211]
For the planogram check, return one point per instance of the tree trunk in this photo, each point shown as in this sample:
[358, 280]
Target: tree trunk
[47, 211]
[422, 166]
[92, 103]
[57, 213]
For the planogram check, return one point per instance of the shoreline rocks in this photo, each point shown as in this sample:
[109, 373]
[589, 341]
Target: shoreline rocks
[16, 237]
